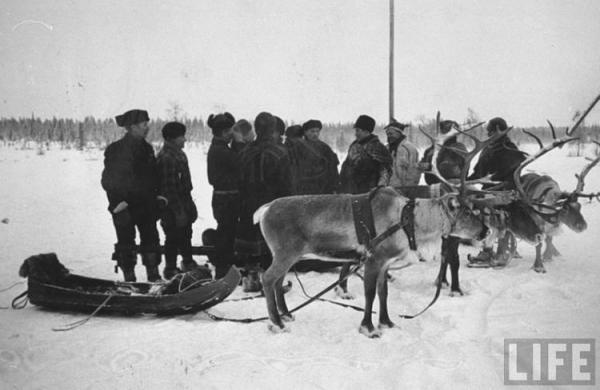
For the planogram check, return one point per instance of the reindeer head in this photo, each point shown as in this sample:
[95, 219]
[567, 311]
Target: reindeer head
[466, 222]
[564, 208]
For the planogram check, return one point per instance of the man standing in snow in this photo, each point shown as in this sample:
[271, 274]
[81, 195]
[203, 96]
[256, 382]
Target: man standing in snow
[405, 166]
[265, 176]
[130, 180]
[368, 163]
[316, 168]
[176, 187]
[224, 175]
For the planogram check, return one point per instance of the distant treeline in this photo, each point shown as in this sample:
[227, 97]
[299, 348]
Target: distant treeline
[93, 132]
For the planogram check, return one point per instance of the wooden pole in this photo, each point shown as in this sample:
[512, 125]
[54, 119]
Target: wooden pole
[391, 80]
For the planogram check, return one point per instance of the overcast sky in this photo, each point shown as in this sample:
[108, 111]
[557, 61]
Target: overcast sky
[525, 60]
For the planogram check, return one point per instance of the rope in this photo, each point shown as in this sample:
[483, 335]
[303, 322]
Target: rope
[76, 324]
[437, 291]
[311, 300]
[20, 301]
[347, 305]
[13, 285]
[6, 289]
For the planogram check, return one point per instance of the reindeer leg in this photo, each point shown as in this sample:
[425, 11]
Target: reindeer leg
[551, 250]
[269, 280]
[382, 292]
[342, 288]
[286, 316]
[538, 265]
[454, 261]
[445, 265]
[370, 286]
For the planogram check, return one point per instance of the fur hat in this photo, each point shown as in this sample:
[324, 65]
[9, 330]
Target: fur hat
[220, 122]
[312, 123]
[172, 130]
[396, 126]
[447, 125]
[279, 125]
[132, 117]
[242, 126]
[264, 125]
[366, 123]
[294, 131]
[496, 124]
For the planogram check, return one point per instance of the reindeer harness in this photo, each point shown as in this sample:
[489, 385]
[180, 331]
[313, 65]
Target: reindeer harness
[364, 223]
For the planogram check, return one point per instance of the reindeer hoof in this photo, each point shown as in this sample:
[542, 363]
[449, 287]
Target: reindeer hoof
[456, 293]
[287, 317]
[385, 324]
[539, 269]
[343, 294]
[371, 333]
[278, 329]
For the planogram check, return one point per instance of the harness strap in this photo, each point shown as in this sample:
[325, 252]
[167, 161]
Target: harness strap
[363, 218]
[407, 220]
[437, 291]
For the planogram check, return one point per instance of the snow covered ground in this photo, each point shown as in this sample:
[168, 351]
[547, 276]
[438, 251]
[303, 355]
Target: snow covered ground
[53, 202]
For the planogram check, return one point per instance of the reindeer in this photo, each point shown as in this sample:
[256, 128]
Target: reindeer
[551, 206]
[317, 226]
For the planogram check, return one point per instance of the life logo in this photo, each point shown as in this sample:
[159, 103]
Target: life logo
[550, 362]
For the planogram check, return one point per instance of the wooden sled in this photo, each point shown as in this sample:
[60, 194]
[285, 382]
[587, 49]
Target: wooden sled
[52, 286]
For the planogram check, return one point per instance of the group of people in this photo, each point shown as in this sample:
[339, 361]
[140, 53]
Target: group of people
[249, 165]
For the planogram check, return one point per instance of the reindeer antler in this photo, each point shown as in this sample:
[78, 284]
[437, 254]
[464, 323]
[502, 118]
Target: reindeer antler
[543, 150]
[497, 197]
[581, 178]
[582, 117]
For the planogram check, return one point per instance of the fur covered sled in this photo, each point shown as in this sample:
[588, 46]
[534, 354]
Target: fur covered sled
[51, 285]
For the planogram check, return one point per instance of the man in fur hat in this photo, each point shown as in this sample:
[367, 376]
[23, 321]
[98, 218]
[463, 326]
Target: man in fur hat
[130, 179]
[405, 156]
[316, 164]
[176, 186]
[265, 176]
[368, 163]
[223, 166]
[243, 134]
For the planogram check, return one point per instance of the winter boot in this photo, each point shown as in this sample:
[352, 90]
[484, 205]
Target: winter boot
[126, 261]
[151, 261]
[251, 282]
[484, 256]
[170, 266]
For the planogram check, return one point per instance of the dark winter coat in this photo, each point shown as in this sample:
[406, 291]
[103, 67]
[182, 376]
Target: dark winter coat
[176, 183]
[499, 159]
[130, 174]
[449, 163]
[367, 165]
[223, 165]
[315, 168]
[265, 176]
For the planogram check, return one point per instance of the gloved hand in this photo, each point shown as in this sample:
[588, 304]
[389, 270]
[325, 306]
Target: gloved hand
[120, 207]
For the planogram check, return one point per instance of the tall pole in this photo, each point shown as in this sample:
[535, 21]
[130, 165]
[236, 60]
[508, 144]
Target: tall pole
[391, 81]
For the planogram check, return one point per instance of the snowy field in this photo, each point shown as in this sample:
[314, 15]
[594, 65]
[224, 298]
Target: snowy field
[53, 202]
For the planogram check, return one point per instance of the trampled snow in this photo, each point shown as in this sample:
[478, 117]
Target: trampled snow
[53, 202]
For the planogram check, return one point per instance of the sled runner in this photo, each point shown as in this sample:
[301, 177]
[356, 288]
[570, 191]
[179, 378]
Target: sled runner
[52, 286]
